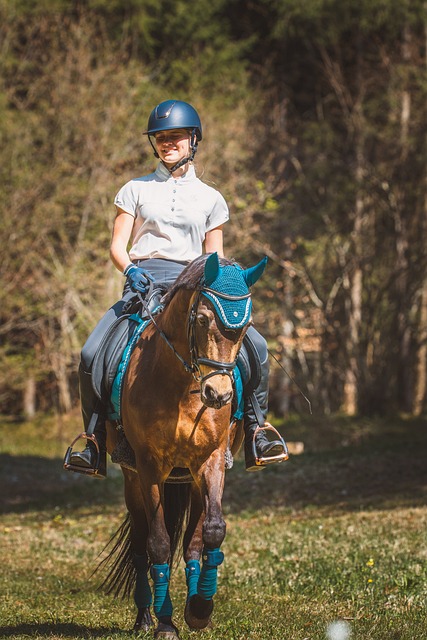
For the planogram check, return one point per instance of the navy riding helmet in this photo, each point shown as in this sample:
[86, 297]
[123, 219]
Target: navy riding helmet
[175, 114]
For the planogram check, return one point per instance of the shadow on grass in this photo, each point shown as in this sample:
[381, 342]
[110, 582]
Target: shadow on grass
[33, 482]
[62, 630]
[349, 467]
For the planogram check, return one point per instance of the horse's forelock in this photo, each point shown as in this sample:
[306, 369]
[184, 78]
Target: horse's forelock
[191, 277]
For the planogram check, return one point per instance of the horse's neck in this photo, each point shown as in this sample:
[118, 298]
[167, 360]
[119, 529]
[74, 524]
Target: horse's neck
[173, 322]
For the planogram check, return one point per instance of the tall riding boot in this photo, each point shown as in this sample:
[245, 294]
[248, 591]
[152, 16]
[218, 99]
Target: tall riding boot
[259, 450]
[87, 460]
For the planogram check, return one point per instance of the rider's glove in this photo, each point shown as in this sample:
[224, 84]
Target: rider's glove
[139, 279]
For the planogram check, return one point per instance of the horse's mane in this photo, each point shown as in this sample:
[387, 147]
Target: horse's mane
[191, 277]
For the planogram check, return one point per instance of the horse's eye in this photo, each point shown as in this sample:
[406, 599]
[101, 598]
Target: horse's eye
[202, 320]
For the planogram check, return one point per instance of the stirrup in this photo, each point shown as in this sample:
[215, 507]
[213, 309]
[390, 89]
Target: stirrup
[262, 461]
[69, 466]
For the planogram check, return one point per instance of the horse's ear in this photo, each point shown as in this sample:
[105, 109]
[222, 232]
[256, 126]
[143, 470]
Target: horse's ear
[211, 269]
[253, 274]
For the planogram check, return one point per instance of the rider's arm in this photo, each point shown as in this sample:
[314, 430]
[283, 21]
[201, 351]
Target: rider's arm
[123, 225]
[214, 241]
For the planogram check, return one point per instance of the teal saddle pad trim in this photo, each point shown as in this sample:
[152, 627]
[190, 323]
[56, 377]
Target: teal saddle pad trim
[238, 388]
[116, 388]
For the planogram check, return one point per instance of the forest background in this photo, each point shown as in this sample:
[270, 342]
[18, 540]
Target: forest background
[314, 118]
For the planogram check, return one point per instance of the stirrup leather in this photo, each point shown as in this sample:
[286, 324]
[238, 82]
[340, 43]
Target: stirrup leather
[261, 461]
[69, 466]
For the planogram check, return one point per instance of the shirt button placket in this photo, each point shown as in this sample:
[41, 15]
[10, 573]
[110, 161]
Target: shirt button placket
[173, 199]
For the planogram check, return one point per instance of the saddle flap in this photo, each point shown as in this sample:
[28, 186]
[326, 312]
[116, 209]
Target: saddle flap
[108, 356]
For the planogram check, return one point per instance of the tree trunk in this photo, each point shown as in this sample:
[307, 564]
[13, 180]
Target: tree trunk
[402, 266]
[420, 383]
[352, 111]
[350, 403]
[287, 334]
[420, 386]
[29, 397]
[286, 362]
[65, 404]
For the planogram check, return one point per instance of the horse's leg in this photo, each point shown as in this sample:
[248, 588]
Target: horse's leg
[197, 610]
[209, 533]
[139, 535]
[158, 547]
[193, 542]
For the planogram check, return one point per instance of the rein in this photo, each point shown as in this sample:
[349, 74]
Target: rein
[188, 367]
[220, 368]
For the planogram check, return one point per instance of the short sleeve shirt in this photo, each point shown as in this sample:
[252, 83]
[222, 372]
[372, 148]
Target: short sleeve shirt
[172, 215]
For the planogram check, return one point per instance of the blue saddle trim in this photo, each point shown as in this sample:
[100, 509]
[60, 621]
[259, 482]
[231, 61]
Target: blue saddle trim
[238, 388]
[116, 388]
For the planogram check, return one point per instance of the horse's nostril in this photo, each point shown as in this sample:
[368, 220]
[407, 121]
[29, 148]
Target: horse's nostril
[210, 392]
[215, 399]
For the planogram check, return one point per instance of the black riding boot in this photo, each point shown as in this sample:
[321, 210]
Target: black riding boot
[259, 450]
[86, 461]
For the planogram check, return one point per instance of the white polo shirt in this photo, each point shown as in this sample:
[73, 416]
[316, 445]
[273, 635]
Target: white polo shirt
[172, 215]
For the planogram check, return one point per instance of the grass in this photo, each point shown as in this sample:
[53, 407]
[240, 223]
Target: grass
[337, 533]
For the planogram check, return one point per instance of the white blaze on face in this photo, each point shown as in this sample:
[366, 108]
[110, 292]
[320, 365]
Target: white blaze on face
[339, 630]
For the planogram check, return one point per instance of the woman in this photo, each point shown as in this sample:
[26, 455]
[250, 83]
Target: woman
[169, 217]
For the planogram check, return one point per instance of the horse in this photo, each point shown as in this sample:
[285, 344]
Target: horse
[177, 417]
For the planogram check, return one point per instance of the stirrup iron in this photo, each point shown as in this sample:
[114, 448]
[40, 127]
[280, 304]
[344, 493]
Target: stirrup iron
[262, 461]
[69, 466]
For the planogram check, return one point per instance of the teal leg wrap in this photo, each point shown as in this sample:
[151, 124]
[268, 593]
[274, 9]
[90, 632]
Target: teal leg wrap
[207, 584]
[162, 602]
[142, 595]
[192, 573]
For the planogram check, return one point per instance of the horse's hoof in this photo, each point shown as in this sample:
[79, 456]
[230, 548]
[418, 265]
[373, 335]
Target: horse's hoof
[166, 631]
[143, 621]
[198, 612]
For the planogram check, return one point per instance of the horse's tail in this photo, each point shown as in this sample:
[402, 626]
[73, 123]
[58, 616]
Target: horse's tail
[177, 498]
[121, 577]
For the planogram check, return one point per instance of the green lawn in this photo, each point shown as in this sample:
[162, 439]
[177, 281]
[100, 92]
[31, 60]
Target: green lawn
[337, 533]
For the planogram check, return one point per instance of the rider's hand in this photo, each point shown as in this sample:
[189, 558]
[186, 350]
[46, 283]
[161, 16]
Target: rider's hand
[139, 279]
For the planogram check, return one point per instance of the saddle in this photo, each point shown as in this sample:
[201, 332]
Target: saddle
[124, 331]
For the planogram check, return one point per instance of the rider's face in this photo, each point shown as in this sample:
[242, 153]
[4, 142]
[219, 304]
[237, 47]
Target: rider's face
[172, 145]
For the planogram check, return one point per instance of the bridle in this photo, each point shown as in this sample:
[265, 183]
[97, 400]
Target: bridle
[196, 361]
[220, 368]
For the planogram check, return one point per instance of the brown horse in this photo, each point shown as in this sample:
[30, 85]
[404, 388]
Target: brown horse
[176, 415]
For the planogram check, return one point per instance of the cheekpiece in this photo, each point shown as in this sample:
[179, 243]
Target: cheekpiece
[230, 296]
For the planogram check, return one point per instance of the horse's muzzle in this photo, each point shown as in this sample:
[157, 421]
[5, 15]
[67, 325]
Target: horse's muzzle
[214, 396]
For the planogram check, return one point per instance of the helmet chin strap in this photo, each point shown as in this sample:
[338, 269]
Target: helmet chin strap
[183, 161]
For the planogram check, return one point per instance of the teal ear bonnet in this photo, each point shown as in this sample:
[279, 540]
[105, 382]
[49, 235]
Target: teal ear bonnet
[227, 288]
